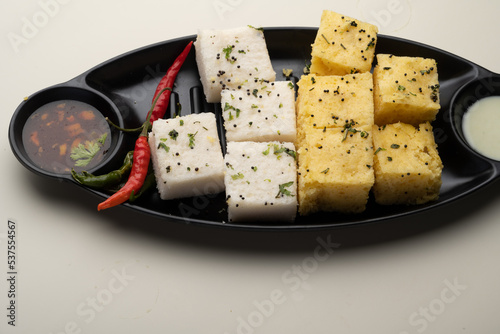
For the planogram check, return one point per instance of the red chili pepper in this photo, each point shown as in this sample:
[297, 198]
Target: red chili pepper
[140, 164]
[168, 81]
[142, 153]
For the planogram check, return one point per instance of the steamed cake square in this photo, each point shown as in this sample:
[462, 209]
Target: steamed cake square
[406, 89]
[187, 156]
[406, 163]
[261, 181]
[262, 112]
[343, 45]
[333, 101]
[335, 170]
[230, 58]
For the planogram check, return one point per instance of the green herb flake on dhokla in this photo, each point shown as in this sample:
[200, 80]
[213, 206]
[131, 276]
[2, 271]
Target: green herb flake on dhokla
[283, 191]
[237, 176]
[173, 134]
[164, 146]
[192, 139]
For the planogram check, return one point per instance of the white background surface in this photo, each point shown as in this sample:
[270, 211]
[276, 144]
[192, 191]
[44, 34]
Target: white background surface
[117, 271]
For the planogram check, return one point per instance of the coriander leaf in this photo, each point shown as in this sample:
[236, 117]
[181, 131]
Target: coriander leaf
[173, 134]
[237, 176]
[227, 51]
[84, 153]
[191, 139]
[164, 146]
[283, 191]
[282, 149]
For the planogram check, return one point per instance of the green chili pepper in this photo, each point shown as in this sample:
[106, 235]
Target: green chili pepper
[106, 180]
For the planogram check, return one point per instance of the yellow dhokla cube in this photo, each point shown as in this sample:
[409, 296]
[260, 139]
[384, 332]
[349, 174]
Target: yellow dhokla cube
[335, 170]
[343, 45]
[406, 89]
[406, 164]
[333, 101]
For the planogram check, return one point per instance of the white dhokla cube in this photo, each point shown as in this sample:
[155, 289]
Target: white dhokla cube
[261, 181]
[263, 112]
[230, 58]
[187, 157]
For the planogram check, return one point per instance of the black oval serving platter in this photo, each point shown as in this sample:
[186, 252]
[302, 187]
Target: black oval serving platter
[122, 89]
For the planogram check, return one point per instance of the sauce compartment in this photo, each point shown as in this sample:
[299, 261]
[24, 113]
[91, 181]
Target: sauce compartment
[68, 110]
[466, 97]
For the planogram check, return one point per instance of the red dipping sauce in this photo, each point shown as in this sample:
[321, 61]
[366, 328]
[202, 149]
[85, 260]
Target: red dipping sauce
[65, 135]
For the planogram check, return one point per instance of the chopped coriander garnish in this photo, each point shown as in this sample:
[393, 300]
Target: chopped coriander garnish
[227, 51]
[307, 68]
[164, 146]
[283, 191]
[191, 139]
[227, 107]
[348, 127]
[173, 134]
[84, 153]
[237, 176]
[379, 149]
[283, 149]
[394, 146]
[102, 139]
[325, 171]
[259, 29]
[266, 152]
